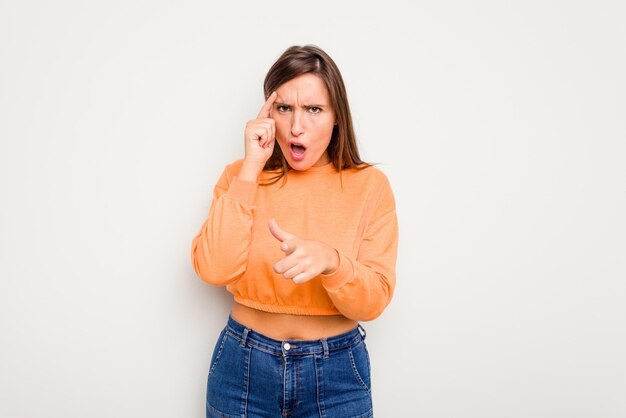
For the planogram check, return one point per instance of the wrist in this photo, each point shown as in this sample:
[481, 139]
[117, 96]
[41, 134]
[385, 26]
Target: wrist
[333, 263]
[250, 170]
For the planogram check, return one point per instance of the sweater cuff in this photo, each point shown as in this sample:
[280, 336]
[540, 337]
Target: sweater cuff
[242, 191]
[339, 277]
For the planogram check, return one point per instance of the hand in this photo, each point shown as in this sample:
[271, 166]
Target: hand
[305, 259]
[260, 134]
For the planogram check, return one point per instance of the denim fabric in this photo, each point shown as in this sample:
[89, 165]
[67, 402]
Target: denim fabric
[252, 375]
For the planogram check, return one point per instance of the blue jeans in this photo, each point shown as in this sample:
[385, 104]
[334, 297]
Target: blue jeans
[252, 375]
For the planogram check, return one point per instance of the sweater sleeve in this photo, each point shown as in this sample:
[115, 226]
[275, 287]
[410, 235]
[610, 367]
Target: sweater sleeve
[219, 252]
[362, 288]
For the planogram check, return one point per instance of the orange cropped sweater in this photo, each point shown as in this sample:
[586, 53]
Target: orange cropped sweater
[355, 215]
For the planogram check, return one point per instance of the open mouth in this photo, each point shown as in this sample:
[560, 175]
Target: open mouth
[297, 151]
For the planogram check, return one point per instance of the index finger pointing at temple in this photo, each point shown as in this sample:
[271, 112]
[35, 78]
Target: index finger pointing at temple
[265, 110]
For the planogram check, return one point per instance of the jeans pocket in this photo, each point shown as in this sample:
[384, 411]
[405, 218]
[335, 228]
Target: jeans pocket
[344, 390]
[228, 378]
[217, 351]
[360, 361]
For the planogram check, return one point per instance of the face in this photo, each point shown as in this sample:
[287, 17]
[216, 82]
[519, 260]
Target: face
[304, 121]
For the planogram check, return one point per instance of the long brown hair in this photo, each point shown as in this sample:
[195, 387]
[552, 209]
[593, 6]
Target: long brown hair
[297, 60]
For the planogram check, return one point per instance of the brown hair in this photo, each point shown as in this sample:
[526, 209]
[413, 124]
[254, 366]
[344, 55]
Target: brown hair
[297, 60]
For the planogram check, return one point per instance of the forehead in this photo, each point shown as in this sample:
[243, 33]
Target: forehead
[304, 88]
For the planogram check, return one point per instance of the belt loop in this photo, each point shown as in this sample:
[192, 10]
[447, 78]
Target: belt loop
[362, 332]
[325, 346]
[244, 337]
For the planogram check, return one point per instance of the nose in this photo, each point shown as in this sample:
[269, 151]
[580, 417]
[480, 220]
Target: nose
[296, 123]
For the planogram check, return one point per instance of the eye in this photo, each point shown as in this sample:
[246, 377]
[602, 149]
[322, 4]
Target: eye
[315, 109]
[282, 108]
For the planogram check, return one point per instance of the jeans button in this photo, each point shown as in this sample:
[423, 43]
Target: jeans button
[286, 346]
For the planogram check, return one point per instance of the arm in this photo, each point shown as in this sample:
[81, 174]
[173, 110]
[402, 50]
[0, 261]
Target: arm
[362, 288]
[219, 252]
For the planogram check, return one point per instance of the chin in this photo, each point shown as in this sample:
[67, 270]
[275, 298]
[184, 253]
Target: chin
[299, 165]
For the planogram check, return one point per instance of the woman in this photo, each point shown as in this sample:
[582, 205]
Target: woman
[304, 235]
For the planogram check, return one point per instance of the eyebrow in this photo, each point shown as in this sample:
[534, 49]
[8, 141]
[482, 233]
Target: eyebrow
[306, 105]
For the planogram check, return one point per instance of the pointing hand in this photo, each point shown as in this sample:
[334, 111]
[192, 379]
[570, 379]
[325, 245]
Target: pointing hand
[304, 259]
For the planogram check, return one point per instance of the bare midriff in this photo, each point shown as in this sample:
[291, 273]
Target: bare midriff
[291, 327]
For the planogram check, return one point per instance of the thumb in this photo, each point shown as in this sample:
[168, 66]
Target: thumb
[278, 233]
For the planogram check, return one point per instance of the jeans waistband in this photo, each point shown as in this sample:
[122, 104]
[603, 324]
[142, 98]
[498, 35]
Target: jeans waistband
[249, 337]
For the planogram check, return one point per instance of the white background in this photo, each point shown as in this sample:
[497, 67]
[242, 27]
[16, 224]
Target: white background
[501, 126]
